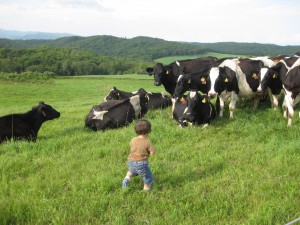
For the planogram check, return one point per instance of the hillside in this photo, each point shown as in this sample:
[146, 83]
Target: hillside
[149, 49]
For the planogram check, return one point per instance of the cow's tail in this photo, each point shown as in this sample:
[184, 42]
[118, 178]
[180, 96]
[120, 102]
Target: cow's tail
[218, 105]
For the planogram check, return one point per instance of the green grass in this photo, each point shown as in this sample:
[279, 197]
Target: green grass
[170, 59]
[239, 171]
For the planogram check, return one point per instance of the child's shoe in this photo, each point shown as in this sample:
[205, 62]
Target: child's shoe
[148, 189]
[125, 183]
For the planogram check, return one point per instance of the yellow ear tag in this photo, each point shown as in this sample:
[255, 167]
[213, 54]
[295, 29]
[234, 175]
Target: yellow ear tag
[167, 72]
[203, 81]
[255, 76]
[189, 81]
[274, 76]
[204, 100]
[183, 100]
[226, 80]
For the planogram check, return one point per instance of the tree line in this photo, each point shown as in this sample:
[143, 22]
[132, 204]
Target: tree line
[65, 61]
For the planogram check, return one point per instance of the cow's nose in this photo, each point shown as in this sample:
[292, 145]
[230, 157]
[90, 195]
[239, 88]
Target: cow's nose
[157, 83]
[212, 94]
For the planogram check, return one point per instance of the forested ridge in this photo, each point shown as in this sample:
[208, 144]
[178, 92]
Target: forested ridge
[65, 61]
[105, 54]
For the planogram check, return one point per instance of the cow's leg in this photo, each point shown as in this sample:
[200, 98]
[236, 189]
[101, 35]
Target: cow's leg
[205, 125]
[222, 103]
[289, 105]
[256, 102]
[232, 104]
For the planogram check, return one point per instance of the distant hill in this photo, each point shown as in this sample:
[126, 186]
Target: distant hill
[149, 49]
[29, 35]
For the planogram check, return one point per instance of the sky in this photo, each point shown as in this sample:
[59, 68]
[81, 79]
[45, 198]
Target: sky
[260, 21]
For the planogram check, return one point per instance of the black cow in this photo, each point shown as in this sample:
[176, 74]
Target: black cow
[199, 110]
[168, 75]
[26, 126]
[155, 100]
[116, 113]
[178, 108]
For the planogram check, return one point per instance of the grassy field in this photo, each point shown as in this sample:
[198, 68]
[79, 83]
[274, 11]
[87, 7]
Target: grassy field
[167, 60]
[239, 171]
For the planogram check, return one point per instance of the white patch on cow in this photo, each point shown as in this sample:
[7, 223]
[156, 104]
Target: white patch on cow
[230, 63]
[178, 64]
[213, 75]
[266, 61]
[192, 94]
[98, 115]
[134, 92]
[179, 78]
[263, 72]
[135, 102]
[245, 90]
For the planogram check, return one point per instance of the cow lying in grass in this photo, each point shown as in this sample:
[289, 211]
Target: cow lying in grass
[26, 125]
[116, 113]
[155, 100]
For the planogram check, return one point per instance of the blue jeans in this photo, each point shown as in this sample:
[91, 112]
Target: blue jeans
[142, 169]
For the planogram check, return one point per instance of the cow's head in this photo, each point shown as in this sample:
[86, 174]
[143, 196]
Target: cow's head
[226, 80]
[193, 101]
[183, 84]
[159, 72]
[113, 94]
[253, 79]
[46, 112]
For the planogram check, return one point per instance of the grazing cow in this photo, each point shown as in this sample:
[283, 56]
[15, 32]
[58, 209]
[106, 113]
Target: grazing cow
[178, 108]
[196, 81]
[155, 100]
[116, 113]
[26, 126]
[168, 75]
[290, 77]
[199, 110]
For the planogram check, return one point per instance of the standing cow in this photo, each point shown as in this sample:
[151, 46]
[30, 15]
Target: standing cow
[168, 75]
[26, 125]
[196, 81]
[290, 78]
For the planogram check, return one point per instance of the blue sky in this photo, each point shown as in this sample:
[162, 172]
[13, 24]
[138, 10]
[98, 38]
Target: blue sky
[261, 21]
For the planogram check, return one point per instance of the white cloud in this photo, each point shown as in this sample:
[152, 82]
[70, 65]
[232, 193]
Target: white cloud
[261, 21]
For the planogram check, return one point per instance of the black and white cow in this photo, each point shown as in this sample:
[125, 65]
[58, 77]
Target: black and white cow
[168, 75]
[196, 81]
[178, 108]
[224, 83]
[241, 77]
[155, 100]
[290, 78]
[116, 113]
[26, 125]
[199, 110]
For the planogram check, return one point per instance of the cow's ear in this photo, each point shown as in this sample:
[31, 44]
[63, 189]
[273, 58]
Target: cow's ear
[149, 71]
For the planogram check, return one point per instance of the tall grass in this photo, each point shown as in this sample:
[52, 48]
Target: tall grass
[239, 171]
